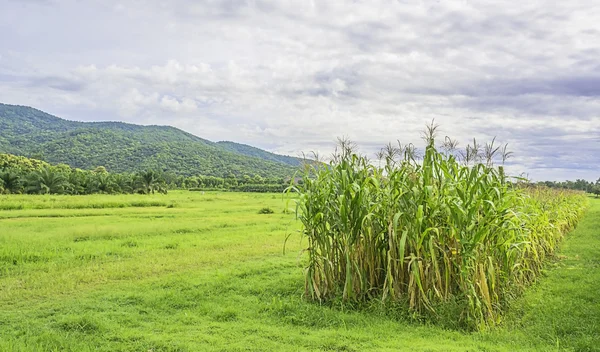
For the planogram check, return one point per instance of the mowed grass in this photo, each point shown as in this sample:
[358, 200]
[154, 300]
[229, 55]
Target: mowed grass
[206, 272]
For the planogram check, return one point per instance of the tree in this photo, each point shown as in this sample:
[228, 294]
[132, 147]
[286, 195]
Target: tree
[124, 183]
[246, 179]
[104, 182]
[88, 183]
[191, 182]
[596, 189]
[77, 180]
[100, 170]
[46, 181]
[231, 180]
[149, 182]
[258, 179]
[10, 182]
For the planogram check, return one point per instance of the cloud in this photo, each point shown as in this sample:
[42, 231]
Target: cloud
[292, 76]
[60, 83]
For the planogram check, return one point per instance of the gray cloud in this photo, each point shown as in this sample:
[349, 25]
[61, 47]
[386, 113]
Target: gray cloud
[291, 75]
[574, 85]
[60, 83]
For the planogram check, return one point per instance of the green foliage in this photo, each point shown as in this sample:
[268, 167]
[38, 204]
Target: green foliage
[21, 174]
[8, 161]
[150, 181]
[450, 241]
[126, 148]
[266, 210]
[10, 181]
[596, 188]
[578, 185]
[46, 181]
[259, 153]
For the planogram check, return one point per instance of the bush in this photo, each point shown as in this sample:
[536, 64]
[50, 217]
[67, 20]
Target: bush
[266, 211]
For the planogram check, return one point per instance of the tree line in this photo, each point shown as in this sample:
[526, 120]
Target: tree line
[579, 185]
[19, 174]
[23, 175]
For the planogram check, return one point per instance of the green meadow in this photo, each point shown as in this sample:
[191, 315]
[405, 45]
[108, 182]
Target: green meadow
[194, 271]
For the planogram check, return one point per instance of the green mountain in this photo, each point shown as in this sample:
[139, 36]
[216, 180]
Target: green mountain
[259, 153]
[123, 147]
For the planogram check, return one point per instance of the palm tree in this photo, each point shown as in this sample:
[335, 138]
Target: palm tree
[104, 183]
[148, 181]
[88, 184]
[10, 182]
[45, 181]
[123, 183]
[76, 182]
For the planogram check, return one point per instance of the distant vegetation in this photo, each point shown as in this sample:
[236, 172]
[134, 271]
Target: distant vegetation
[124, 148]
[578, 185]
[259, 153]
[23, 175]
[449, 237]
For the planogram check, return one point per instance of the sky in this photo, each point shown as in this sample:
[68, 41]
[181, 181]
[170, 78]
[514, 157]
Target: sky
[292, 76]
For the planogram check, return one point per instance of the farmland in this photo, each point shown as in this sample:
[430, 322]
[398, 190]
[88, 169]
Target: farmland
[191, 271]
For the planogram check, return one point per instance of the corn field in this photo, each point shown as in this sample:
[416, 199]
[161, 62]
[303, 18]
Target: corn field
[446, 230]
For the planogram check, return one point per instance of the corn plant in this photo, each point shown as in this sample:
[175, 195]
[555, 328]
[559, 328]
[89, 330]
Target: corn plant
[427, 233]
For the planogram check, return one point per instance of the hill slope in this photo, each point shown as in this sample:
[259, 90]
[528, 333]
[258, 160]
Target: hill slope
[259, 153]
[122, 147]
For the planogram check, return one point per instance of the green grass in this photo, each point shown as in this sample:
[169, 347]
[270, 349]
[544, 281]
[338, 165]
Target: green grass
[207, 272]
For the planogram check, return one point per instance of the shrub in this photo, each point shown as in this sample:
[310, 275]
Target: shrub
[266, 211]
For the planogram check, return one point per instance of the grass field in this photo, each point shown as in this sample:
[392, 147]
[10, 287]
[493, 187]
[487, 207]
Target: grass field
[205, 272]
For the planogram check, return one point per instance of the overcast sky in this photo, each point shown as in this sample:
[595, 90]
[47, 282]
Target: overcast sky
[291, 76]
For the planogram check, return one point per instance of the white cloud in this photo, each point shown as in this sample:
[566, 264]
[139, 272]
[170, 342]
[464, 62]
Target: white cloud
[293, 75]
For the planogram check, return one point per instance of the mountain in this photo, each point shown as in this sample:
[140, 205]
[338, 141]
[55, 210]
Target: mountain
[123, 147]
[259, 153]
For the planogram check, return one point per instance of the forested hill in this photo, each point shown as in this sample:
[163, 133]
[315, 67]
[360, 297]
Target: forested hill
[259, 153]
[122, 147]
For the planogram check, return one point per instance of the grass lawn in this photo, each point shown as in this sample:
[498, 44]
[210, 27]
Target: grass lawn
[190, 271]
